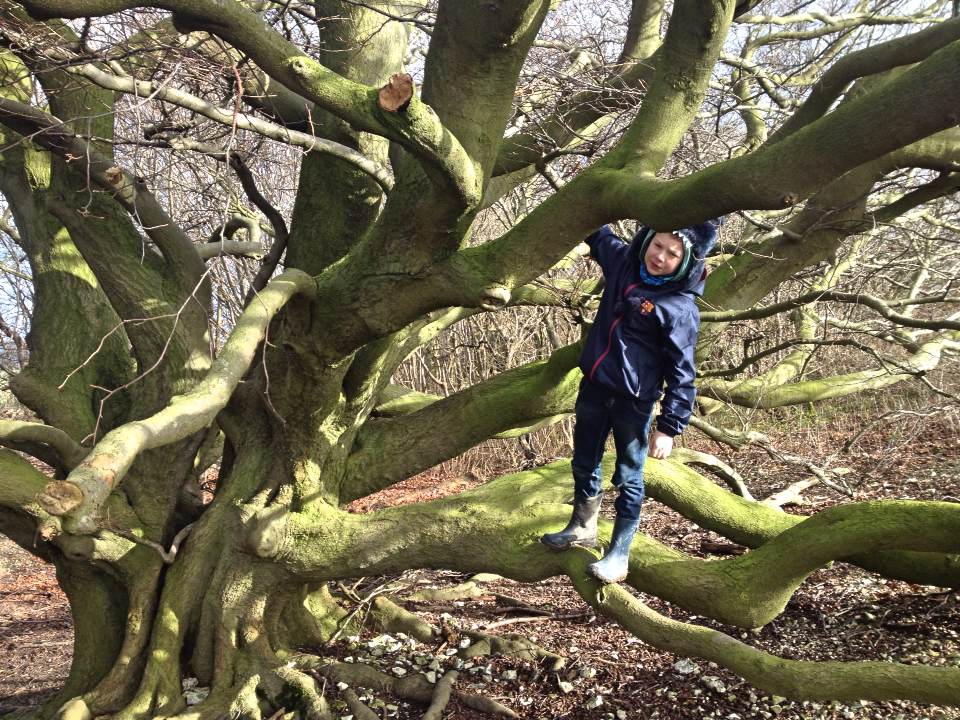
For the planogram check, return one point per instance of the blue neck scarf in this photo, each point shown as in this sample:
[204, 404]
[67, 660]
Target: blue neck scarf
[647, 279]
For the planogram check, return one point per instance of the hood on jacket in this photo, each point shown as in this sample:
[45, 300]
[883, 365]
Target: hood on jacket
[701, 238]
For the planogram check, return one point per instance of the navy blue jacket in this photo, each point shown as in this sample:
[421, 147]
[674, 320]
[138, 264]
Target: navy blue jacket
[644, 336]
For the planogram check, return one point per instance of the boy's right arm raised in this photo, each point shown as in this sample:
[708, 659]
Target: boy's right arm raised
[606, 248]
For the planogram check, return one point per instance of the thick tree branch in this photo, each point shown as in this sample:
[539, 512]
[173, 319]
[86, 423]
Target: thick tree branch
[791, 678]
[47, 443]
[882, 307]
[413, 125]
[85, 489]
[447, 427]
[869, 61]
[55, 135]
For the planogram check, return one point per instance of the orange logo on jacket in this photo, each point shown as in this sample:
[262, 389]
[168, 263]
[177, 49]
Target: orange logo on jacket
[646, 307]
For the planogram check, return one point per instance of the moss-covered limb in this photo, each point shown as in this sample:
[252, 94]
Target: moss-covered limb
[693, 42]
[584, 113]
[869, 61]
[883, 307]
[55, 447]
[802, 680]
[66, 295]
[20, 483]
[108, 462]
[752, 524]
[450, 426]
[775, 176]
[310, 143]
[471, 71]
[397, 400]
[926, 358]
[499, 525]
[55, 135]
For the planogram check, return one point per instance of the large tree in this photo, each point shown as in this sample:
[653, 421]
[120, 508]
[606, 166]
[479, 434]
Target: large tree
[396, 168]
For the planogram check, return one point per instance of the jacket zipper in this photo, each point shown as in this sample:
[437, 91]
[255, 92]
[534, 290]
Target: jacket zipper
[593, 370]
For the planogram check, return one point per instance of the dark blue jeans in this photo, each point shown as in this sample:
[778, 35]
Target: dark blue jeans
[598, 411]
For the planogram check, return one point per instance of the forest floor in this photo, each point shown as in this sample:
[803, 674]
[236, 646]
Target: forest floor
[840, 613]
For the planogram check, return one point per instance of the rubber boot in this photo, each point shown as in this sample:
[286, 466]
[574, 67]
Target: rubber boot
[613, 567]
[582, 528]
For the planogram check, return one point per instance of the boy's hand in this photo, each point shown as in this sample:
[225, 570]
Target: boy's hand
[661, 445]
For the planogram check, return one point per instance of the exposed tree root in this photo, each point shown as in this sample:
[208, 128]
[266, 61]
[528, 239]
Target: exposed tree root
[511, 646]
[464, 591]
[796, 679]
[357, 707]
[393, 618]
[441, 696]
[410, 687]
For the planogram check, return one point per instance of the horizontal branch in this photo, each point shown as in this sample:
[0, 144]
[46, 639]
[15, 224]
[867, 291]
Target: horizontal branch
[776, 394]
[242, 121]
[81, 495]
[883, 307]
[444, 428]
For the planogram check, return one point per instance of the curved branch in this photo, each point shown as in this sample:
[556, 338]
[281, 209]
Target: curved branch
[81, 495]
[411, 123]
[869, 61]
[47, 443]
[53, 134]
[882, 307]
[243, 121]
[797, 679]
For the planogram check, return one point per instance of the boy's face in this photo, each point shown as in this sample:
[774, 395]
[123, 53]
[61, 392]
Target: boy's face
[664, 254]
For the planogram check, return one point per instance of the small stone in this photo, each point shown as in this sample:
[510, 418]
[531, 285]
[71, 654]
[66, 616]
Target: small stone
[348, 659]
[467, 665]
[398, 671]
[621, 715]
[714, 683]
[465, 642]
[778, 699]
[431, 677]
[434, 665]
[685, 666]
[196, 695]
[776, 709]
[565, 687]
[509, 675]
[342, 686]
[188, 683]
[594, 702]
[588, 672]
